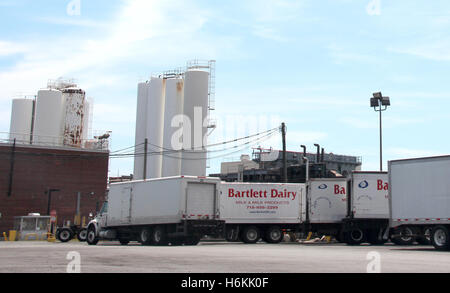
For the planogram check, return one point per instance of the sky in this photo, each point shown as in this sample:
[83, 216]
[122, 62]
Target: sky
[313, 64]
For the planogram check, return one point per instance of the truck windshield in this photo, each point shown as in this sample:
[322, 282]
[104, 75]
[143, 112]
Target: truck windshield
[104, 209]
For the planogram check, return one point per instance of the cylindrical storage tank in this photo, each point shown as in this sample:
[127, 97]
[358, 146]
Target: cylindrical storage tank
[171, 164]
[155, 125]
[141, 130]
[196, 110]
[21, 121]
[49, 118]
[74, 99]
[86, 119]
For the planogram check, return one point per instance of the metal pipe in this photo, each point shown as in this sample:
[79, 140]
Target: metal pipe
[381, 142]
[318, 152]
[307, 169]
[283, 132]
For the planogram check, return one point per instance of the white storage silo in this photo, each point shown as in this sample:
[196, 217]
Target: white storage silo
[171, 164]
[49, 118]
[196, 109]
[141, 130]
[21, 120]
[74, 99]
[155, 125]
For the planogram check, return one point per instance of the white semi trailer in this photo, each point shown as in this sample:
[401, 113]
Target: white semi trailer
[325, 206]
[176, 210]
[253, 211]
[420, 198]
[368, 209]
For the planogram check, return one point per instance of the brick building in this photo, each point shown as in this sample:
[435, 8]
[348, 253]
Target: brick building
[27, 173]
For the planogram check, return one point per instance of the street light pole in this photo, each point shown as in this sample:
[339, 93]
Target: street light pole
[380, 104]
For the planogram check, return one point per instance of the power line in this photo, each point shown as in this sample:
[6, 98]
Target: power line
[165, 152]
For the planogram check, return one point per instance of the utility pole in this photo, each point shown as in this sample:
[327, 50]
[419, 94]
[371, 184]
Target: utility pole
[283, 135]
[145, 158]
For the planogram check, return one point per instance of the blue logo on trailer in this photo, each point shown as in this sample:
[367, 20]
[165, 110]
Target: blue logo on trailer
[363, 184]
[323, 186]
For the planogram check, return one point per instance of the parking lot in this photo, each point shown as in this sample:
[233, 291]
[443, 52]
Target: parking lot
[220, 257]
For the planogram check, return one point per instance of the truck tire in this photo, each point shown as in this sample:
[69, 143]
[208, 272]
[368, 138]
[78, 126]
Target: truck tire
[250, 234]
[273, 235]
[145, 236]
[82, 235]
[192, 240]
[355, 236]
[425, 238]
[405, 236]
[57, 234]
[65, 235]
[440, 238]
[159, 236]
[91, 238]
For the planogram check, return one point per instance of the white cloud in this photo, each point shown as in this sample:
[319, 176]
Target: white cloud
[10, 48]
[438, 50]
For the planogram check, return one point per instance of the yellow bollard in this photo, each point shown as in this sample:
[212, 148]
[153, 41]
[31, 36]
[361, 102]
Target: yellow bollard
[51, 237]
[4, 236]
[309, 236]
[12, 235]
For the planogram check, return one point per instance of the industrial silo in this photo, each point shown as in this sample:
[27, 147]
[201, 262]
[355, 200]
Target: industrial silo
[141, 130]
[87, 119]
[155, 125]
[171, 164]
[74, 99]
[49, 118]
[21, 120]
[196, 109]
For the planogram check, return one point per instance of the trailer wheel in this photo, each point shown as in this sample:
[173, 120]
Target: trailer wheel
[250, 234]
[159, 236]
[405, 236]
[355, 236]
[273, 235]
[145, 237]
[425, 238]
[92, 239]
[82, 235]
[65, 235]
[440, 238]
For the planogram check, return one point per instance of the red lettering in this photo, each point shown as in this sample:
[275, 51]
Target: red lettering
[382, 185]
[339, 190]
